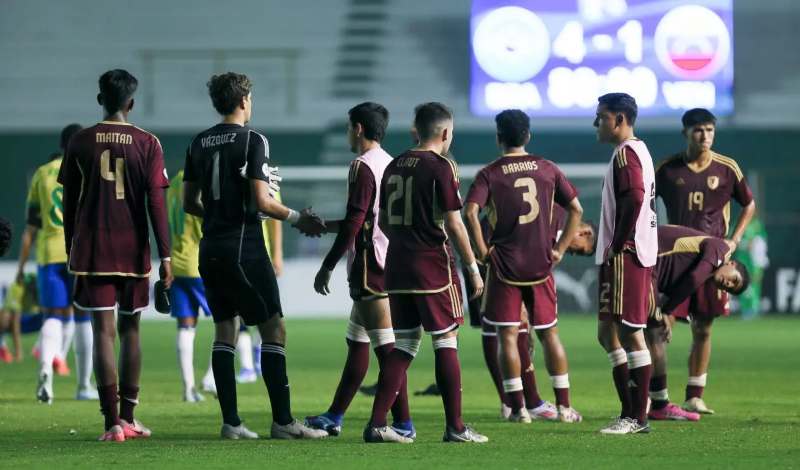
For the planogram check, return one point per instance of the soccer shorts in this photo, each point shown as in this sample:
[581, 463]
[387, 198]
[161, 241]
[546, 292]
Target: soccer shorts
[366, 279]
[624, 289]
[188, 296]
[96, 293]
[248, 289]
[474, 305]
[437, 313]
[54, 285]
[707, 303]
[503, 302]
[491, 330]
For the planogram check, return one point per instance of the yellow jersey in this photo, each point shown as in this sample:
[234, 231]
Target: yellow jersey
[185, 231]
[22, 298]
[45, 211]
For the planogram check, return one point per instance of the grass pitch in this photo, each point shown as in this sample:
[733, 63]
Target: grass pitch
[753, 386]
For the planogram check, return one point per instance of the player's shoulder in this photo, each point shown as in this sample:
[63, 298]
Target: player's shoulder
[146, 135]
[726, 164]
[626, 155]
[446, 163]
[673, 161]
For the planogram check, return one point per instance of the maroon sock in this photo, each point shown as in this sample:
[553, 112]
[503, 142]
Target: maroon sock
[621, 378]
[657, 384]
[562, 396]
[517, 400]
[128, 399]
[531, 393]
[108, 404]
[694, 391]
[641, 377]
[490, 357]
[355, 368]
[400, 411]
[448, 378]
[391, 377]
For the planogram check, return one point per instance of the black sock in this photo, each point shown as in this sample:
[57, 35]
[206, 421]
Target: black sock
[273, 369]
[222, 356]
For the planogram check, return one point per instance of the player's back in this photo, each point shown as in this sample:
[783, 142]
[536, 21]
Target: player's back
[522, 190]
[681, 249]
[418, 187]
[185, 231]
[118, 163]
[45, 205]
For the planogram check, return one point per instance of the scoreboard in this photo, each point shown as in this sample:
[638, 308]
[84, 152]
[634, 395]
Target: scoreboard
[555, 57]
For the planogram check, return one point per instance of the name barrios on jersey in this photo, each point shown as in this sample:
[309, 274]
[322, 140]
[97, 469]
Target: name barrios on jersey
[218, 139]
[519, 167]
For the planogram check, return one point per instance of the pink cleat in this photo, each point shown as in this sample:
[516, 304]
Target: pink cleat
[673, 412]
[5, 354]
[115, 434]
[135, 430]
[546, 411]
[60, 366]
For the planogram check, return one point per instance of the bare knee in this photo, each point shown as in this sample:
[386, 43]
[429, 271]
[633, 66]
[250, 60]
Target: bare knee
[607, 336]
[128, 325]
[701, 330]
[273, 330]
[225, 331]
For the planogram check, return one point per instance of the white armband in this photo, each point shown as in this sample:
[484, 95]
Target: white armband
[293, 216]
[473, 268]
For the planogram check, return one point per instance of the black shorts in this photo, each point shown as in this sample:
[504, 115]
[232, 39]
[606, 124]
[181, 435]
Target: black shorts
[248, 289]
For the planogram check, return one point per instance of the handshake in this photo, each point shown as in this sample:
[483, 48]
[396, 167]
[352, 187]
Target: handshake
[310, 224]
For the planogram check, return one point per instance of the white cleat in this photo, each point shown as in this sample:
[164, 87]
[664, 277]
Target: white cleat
[247, 376]
[697, 405]
[191, 395]
[296, 430]
[44, 389]
[626, 426]
[568, 414]
[374, 435]
[520, 417]
[86, 394]
[209, 386]
[505, 411]
[467, 435]
[546, 411]
[236, 432]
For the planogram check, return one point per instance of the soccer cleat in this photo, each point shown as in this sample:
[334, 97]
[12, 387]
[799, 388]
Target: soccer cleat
[246, 376]
[191, 395]
[115, 434]
[134, 430]
[639, 428]
[87, 394]
[697, 405]
[545, 411]
[467, 435]
[618, 426]
[326, 422]
[405, 429]
[505, 411]
[296, 430]
[374, 435]
[521, 416]
[44, 389]
[673, 412]
[60, 366]
[209, 386]
[236, 432]
[369, 390]
[5, 354]
[431, 390]
[567, 414]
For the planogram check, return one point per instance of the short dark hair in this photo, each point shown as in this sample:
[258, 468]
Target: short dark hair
[621, 103]
[117, 87]
[227, 90]
[373, 117]
[513, 127]
[427, 116]
[5, 235]
[697, 116]
[67, 133]
[745, 277]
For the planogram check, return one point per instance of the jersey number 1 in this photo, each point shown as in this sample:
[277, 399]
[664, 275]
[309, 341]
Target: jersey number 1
[402, 190]
[118, 176]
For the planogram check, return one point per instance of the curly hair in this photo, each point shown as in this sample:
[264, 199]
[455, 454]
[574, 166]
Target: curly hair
[227, 91]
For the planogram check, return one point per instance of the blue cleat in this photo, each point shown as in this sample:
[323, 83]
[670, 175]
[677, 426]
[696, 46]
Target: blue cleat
[327, 422]
[405, 429]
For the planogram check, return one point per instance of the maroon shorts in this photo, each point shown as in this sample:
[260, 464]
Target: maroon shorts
[366, 278]
[708, 302]
[503, 303]
[95, 293]
[437, 313]
[625, 290]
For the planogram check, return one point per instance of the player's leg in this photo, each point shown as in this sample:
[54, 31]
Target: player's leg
[660, 406]
[530, 390]
[61, 364]
[489, 347]
[255, 350]
[105, 372]
[223, 355]
[84, 341]
[51, 334]
[699, 358]
[185, 349]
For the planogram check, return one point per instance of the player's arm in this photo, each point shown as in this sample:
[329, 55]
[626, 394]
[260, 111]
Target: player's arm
[275, 230]
[629, 195]
[477, 197]
[361, 194]
[33, 223]
[744, 196]
[71, 179]
[574, 214]
[157, 184]
[688, 284]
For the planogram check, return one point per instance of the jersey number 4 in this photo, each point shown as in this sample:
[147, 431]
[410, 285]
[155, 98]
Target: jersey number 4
[401, 191]
[117, 176]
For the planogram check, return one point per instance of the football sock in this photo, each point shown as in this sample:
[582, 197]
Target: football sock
[400, 410]
[659, 397]
[222, 357]
[513, 388]
[641, 369]
[489, 342]
[128, 399]
[695, 386]
[355, 368]
[255, 337]
[621, 375]
[108, 404]
[391, 377]
[67, 333]
[209, 375]
[561, 389]
[244, 348]
[84, 341]
[51, 342]
[273, 370]
[529, 389]
[448, 378]
[185, 346]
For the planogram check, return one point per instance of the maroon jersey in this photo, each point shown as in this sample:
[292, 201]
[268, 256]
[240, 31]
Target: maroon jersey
[518, 193]
[687, 258]
[559, 222]
[113, 174]
[417, 188]
[702, 199]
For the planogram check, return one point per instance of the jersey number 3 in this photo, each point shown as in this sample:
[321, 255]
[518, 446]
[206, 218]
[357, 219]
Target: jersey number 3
[529, 196]
[118, 176]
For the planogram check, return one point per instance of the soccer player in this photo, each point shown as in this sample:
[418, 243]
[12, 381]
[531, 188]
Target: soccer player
[518, 191]
[627, 247]
[45, 224]
[113, 176]
[228, 183]
[419, 213]
[359, 235]
[687, 260]
[697, 186]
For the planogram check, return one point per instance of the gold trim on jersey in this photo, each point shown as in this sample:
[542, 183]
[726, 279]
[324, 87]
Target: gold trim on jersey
[701, 169]
[117, 123]
[457, 308]
[89, 273]
[453, 165]
[431, 291]
[522, 283]
[730, 163]
[621, 158]
[366, 285]
[686, 245]
[491, 214]
[619, 274]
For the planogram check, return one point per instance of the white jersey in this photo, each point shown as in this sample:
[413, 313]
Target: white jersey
[646, 232]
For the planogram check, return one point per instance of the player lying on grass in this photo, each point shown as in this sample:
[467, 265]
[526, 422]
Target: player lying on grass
[688, 259]
[359, 235]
